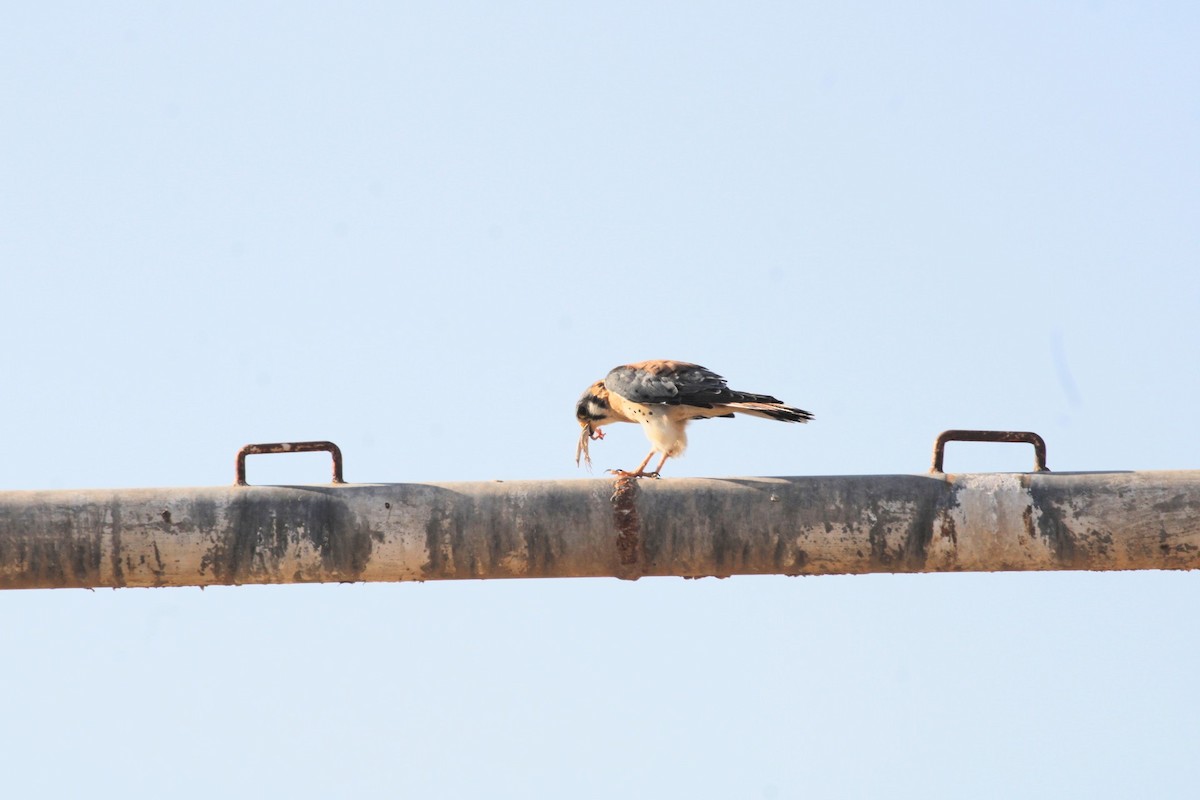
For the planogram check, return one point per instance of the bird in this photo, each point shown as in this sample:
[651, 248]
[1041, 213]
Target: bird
[663, 396]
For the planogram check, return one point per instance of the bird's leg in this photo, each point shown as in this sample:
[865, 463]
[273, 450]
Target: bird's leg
[661, 462]
[640, 471]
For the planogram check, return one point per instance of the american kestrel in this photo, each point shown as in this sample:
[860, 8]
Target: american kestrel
[664, 396]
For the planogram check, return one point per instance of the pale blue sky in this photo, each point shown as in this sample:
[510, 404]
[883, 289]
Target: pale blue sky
[382, 223]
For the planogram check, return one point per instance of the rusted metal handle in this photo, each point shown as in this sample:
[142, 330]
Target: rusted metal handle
[288, 447]
[1039, 444]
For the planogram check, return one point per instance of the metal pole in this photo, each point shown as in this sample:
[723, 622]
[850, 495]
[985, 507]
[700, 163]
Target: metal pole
[626, 529]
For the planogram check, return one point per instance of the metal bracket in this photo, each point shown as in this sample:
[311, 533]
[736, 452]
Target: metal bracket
[1039, 444]
[288, 447]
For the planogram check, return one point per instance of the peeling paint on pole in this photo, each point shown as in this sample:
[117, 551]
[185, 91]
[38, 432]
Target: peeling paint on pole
[683, 527]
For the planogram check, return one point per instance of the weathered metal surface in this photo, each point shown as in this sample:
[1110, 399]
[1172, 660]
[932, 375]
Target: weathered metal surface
[1028, 437]
[685, 527]
[239, 474]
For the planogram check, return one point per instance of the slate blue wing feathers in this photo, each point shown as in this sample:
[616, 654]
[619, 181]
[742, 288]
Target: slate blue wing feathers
[675, 383]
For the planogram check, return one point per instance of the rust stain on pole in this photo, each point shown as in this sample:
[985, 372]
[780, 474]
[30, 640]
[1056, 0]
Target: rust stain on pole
[625, 518]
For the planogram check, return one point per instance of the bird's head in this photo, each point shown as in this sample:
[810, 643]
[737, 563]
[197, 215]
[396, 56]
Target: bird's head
[592, 411]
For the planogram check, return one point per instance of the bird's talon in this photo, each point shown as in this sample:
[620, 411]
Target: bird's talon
[620, 473]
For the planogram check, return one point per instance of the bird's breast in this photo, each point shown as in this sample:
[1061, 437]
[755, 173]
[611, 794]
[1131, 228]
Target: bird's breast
[664, 429]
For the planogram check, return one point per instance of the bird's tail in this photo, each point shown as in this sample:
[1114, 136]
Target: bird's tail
[767, 410]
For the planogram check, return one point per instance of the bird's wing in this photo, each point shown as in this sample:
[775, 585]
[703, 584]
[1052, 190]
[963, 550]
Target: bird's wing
[674, 383]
